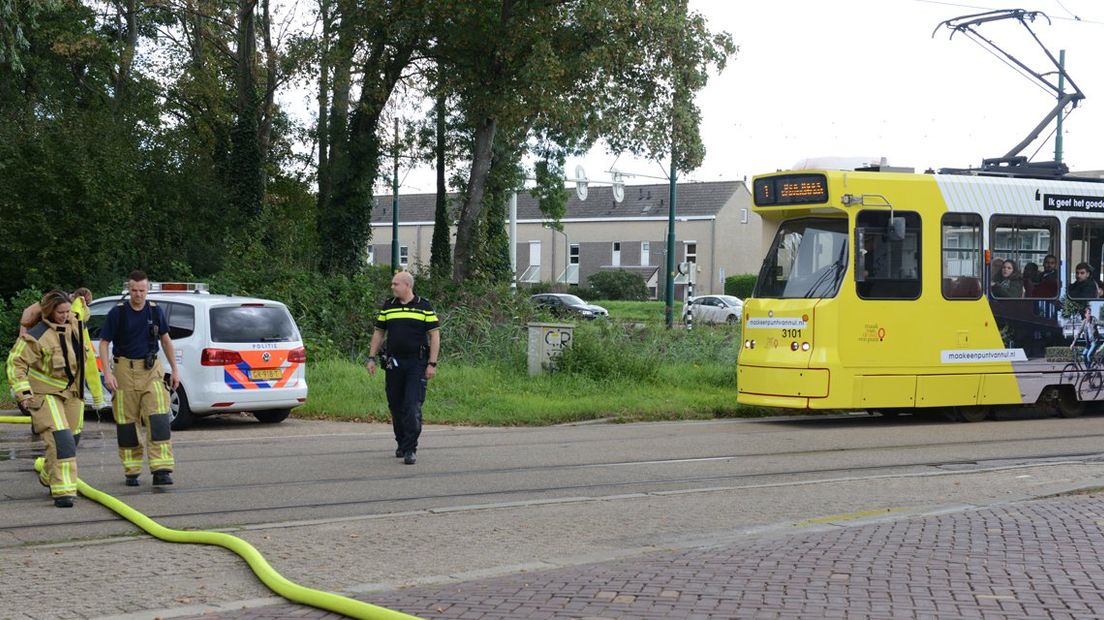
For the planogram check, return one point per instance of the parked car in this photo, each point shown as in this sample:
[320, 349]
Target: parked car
[234, 354]
[715, 309]
[564, 305]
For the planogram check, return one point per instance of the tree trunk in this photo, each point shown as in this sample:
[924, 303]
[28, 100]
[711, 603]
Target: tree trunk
[127, 37]
[272, 78]
[323, 105]
[246, 183]
[473, 202]
[440, 259]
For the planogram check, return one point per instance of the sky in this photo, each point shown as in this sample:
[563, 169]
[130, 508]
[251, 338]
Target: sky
[866, 79]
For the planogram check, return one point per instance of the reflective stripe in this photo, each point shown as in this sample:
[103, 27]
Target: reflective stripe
[162, 406]
[16, 353]
[55, 413]
[120, 417]
[129, 461]
[417, 315]
[22, 386]
[47, 379]
[67, 486]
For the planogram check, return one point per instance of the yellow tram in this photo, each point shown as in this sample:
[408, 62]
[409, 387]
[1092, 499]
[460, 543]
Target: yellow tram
[892, 291]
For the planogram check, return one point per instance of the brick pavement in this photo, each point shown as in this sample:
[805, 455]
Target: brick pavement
[1032, 559]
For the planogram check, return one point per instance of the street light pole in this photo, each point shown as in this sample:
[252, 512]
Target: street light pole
[395, 205]
[669, 311]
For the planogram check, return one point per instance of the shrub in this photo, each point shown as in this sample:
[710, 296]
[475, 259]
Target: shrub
[619, 284]
[740, 285]
[604, 351]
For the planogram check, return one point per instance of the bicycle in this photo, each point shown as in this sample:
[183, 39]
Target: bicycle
[1087, 381]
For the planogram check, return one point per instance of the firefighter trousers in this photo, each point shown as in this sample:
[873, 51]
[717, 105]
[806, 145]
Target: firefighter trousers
[55, 416]
[141, 405]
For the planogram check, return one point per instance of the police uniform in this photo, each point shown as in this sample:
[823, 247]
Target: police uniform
[46, 365]
[141, 400]
[407, 353]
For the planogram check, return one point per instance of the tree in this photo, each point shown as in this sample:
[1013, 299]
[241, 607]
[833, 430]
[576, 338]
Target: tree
[440, 259]
[380, 37]
[565, 73]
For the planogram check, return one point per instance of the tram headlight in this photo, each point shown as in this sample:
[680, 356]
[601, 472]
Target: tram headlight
[805, 346]
[793, 345]
[747, 344]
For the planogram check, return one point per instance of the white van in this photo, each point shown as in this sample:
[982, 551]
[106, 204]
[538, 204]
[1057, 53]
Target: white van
[233, 353]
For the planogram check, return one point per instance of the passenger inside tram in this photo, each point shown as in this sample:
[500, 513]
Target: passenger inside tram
[1010, 284]
[1084, 285]
[1048, 279]
[1031, 277]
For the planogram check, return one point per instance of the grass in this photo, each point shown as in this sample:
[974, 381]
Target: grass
[492, 395]
[650, 312]
[628, 368]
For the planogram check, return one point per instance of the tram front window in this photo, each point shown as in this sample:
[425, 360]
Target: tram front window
[808, 259]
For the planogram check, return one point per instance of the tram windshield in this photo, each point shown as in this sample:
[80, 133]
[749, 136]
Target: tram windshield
[808, 259]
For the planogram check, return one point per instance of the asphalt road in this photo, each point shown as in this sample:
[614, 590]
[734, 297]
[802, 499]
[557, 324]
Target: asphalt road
[330, 505]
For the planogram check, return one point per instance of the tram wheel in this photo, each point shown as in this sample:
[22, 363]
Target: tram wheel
[1067, 404]
[973, 414]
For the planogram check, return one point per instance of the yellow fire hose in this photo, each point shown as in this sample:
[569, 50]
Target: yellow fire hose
[268, 575]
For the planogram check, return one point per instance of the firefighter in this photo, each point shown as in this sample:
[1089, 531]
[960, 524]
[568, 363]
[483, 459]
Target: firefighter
[81, 297]
[133, 329]
[45, 369]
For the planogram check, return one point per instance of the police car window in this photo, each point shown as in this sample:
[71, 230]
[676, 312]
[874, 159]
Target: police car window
[96, 316]
[181, 320]
[252, 324]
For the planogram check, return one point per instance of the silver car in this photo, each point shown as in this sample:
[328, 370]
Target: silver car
[714, 309]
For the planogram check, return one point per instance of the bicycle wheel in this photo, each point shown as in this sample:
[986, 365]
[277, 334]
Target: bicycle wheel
[1090, 385]
[1071, 373]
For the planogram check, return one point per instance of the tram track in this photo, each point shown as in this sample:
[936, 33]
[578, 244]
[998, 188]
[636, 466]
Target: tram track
[616, 488]
[23, 451]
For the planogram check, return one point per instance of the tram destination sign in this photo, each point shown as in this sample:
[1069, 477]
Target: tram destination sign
[1067, 202]
[791, 189]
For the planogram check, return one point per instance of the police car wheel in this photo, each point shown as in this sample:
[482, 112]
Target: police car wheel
[272, 417]
[179, 410]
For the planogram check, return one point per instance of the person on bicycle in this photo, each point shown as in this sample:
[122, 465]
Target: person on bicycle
[1090, 327]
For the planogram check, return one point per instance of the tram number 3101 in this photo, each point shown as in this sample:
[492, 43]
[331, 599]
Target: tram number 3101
[791, 333]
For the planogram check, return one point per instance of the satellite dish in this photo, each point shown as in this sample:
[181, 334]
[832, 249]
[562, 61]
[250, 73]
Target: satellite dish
[580, 183]
[618, 185]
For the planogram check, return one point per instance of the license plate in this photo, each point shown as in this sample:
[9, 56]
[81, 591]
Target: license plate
[265, 375]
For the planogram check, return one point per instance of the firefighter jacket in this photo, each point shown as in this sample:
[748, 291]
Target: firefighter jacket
[48, 359]
[91, 370]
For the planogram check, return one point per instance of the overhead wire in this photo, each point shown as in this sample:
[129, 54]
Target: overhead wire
[1074, 17]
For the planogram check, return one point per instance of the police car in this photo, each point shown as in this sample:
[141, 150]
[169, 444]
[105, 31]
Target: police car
[234, 354]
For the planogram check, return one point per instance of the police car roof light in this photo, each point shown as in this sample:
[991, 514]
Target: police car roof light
[178, 287]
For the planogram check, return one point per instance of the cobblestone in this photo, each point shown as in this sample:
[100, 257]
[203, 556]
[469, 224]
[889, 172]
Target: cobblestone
[1042, 558]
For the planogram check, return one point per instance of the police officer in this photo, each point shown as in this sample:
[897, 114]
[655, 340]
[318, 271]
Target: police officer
[410, 359]
[45, 370]
[140, 399]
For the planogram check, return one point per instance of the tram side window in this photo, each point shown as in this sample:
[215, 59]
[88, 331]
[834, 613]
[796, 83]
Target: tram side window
[887, 261]
[962, 264]
[1086, 238]
[1023, 261]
